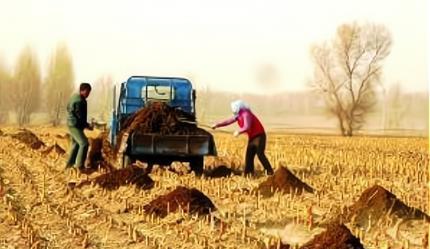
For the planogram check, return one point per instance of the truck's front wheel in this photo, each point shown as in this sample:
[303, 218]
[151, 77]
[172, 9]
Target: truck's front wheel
[196, 165]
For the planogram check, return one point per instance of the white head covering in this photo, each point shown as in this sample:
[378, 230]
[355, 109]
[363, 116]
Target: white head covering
[238, 105]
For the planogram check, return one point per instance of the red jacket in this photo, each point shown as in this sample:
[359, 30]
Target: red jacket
[247, 122]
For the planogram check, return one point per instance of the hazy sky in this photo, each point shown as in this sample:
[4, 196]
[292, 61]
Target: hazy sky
[220, 43]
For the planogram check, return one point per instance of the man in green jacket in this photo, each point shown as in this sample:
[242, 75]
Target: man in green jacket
[77, 122]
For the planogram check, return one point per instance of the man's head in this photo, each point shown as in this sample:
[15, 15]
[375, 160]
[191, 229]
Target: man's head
[85, 89]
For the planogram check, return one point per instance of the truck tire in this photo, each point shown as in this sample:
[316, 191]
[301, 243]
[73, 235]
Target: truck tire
[196, 165]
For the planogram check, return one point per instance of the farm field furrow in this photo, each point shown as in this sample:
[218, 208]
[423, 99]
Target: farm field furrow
[45, 206]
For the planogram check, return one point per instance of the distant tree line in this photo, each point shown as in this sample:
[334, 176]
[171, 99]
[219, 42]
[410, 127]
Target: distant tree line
[23, 90]
[346, 84]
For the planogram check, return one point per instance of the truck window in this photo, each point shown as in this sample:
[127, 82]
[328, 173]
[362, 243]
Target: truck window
[162, 93]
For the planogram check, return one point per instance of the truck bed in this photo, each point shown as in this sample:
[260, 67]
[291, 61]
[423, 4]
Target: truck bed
[171, 145]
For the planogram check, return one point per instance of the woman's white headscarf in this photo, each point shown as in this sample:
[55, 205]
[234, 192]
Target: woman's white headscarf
[238, 105]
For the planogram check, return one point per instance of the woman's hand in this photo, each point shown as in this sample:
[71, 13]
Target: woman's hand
[214, 126]
[236, 133]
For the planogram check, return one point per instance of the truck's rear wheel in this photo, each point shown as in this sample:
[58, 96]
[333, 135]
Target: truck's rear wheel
[196, 165]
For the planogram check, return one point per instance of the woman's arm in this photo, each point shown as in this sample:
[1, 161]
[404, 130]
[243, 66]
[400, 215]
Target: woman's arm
[226, 122]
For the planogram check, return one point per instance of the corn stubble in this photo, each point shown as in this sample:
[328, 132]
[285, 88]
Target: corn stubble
[372, 190]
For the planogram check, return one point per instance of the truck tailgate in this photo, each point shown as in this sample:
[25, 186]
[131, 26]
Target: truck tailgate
[155, 144]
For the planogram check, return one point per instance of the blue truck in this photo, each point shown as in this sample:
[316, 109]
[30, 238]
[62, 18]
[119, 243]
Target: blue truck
[139, 91]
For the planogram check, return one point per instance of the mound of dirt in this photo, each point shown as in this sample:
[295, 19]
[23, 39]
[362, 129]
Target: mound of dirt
[95, 156]
[220, 171]
[29, 138]
[377, 202]
[62, 136]
[116, 178]
[108, 153]
[337, 236]
[54, 148]
[283, 181]
[280, 246]
[58, 149]
[190, 200]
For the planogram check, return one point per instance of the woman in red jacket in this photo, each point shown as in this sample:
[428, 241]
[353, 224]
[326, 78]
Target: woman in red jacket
[250, 125]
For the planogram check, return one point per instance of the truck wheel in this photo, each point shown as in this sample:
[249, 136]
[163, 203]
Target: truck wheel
[196, 165]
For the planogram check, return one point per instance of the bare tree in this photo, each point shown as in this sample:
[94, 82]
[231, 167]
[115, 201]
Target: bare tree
[5, 79]
[59, 83]
[25, 94]
[100, 100]
[348, 70]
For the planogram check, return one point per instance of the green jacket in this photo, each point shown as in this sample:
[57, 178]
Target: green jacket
[77, 112]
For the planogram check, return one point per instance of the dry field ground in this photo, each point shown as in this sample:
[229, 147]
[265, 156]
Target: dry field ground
[43, 206]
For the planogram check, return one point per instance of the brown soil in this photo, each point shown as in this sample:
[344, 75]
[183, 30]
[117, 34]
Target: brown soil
[100, 155]
[54, 148]
[190, 200]
[63, 136]
[337, 236]
[283, 181]
[220, 171]
[95, 156]
[159, 118]
[426, 240]
[281, 246]
[108, 153]
[1, 133]
[116, 178]
[58, 149]
[29, 138]
[378, 202]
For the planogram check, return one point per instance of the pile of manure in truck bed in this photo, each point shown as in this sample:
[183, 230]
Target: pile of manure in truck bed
[160, 118]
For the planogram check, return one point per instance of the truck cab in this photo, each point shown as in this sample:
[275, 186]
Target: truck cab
[137, 92]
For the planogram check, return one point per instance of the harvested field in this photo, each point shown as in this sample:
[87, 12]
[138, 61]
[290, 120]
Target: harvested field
[47, 207]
